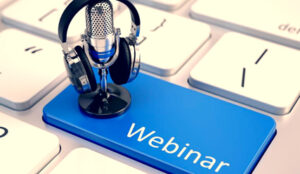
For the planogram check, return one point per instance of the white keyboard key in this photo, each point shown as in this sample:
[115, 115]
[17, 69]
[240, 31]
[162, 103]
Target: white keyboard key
[163, 4]
[30, 67]
[24, 148]
[251, 71]
[276, 21]
[165, 45]
[44, 19]
[82, 161]
[4, 2]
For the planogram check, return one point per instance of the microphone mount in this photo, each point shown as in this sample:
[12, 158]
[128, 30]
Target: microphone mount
[102, 66]
[108, 100]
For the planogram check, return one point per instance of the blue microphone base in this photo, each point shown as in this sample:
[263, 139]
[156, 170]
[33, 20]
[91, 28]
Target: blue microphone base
[97, 104]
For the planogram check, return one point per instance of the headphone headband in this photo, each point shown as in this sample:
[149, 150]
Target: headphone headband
[76, 5]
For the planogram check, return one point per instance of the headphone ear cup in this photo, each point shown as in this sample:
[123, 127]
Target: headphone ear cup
[87, 67]
[121, 69]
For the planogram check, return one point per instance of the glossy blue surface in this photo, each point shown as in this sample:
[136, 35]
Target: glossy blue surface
[183, 131]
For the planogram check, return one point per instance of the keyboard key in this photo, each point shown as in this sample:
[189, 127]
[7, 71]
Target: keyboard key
[163, 42]
[251, 71]
[30, 67]
[163, 4]
[4, 2]
[82, 161]
[271, 20]
[174, 129]
[24, 148]
[43, 20]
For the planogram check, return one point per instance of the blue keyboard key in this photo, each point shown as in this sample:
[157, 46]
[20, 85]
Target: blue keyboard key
[171, 128]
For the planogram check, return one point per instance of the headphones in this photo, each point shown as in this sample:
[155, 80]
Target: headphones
[123, 66]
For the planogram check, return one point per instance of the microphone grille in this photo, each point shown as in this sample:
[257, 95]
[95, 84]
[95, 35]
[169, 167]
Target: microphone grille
[99, 19]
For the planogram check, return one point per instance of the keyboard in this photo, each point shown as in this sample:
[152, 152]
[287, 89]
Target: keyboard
[217, 92]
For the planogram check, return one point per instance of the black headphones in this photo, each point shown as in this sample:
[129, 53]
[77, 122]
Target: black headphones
[123, 66]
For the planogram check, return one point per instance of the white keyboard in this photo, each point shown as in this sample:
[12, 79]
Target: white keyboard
[241, 52]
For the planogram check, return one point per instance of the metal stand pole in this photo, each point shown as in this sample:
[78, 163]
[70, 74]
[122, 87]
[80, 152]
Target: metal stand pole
[109, 100]
[103, 81]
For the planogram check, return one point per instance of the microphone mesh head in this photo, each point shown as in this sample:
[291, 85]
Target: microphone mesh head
[99, 19]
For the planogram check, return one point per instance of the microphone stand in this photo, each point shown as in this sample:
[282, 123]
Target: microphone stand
[109, 100]
[103, 81]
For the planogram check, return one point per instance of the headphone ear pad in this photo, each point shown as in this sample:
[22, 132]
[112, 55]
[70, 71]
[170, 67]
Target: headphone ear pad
[88, 69]
[120, 70]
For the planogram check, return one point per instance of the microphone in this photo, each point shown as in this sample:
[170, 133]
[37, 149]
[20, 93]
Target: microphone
[100, 31]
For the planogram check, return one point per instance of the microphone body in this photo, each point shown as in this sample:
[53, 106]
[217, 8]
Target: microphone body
[100, 31]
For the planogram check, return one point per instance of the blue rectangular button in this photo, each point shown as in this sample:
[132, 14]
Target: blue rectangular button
[172, 128]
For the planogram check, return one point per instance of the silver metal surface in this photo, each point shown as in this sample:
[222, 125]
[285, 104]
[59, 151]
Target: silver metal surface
[72, 57]
[85, 84]
[65, 47]
[79, 76]
[103, 81]
[111, 61]
[99, 19]
[135, 62]
[135, 32]
[100, 25]
[102, 45]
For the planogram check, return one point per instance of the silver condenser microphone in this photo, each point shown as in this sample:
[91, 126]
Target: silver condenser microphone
[101, 44]
[100, 31]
